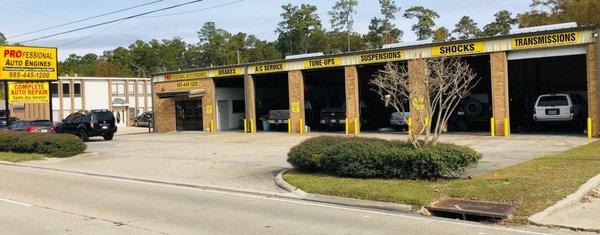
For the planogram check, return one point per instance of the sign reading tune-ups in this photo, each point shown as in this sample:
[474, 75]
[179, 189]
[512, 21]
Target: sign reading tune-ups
[458, 49]
[557, 39]
[322, 63]
[28, 63]
[23, 93]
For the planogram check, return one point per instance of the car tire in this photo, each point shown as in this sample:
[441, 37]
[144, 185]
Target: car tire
[83, 135]
[136, 124]
[108, 136]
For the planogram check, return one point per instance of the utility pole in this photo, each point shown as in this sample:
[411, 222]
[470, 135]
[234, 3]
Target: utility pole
[238, 56]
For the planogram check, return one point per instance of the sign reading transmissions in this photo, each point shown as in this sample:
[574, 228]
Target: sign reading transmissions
[183, 76]
[19, 63]
[28, 93]
[557, 39]
[458, 49]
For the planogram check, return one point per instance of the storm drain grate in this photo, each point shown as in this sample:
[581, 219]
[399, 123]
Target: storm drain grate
[471, 208]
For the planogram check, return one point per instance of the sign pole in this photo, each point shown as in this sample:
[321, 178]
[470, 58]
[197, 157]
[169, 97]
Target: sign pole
[50, 101]
[7, 110]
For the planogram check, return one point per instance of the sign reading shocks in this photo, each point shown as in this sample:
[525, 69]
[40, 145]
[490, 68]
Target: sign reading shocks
[28, 93]
[458, 49]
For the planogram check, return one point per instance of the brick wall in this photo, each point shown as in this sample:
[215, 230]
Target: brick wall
[592, 85]
[296, 93]
[500, 105]
[352, 99]
[417, 70]
[32, 112]
[250, 101]
[164, 109]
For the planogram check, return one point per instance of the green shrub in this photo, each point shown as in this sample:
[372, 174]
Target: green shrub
[53, 145]
[371, 157]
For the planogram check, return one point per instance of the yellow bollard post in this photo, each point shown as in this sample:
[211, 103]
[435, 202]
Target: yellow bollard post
[289, 126]
[493, 126]
[301, 126]
[252, 126]
[409, 125]
[347, 131]
[245, 126]
[356, 128]
[506, 126]
[211, 126]
[589, 128]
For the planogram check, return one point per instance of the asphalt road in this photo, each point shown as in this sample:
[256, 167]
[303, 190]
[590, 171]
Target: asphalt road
[36, 201]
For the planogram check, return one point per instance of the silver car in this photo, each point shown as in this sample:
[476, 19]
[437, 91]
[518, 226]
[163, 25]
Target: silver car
[398, 121]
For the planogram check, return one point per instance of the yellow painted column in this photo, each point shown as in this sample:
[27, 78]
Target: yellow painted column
[500, 96]
[296, 100]
[352, 99]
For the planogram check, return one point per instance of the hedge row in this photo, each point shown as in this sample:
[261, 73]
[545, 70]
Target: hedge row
[53, 145]
[371, 157]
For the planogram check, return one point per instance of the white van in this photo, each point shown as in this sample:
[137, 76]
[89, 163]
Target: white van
[559, 107]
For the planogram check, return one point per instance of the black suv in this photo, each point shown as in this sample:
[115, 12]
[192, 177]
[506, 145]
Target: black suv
[86, 124]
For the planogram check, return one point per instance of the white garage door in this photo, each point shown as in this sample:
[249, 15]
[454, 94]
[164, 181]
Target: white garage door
[549, 52]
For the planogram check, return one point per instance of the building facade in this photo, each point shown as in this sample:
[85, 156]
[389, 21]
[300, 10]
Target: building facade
[514, 70]
[126, 97]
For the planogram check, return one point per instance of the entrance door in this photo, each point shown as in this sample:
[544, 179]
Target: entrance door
[223, 114]
[188, 115]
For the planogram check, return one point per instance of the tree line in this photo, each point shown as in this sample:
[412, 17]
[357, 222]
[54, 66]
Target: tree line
[301, 30]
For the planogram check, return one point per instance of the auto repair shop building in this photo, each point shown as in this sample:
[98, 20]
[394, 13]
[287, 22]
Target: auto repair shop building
[514, 70]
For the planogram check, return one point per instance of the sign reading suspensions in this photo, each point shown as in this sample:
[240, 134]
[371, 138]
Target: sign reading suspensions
[380, 57]
[548, 40]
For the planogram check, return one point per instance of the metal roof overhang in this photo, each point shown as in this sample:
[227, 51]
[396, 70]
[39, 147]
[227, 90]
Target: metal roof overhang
[181, 94]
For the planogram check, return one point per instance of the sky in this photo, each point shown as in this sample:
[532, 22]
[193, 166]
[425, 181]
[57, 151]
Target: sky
[258, 17]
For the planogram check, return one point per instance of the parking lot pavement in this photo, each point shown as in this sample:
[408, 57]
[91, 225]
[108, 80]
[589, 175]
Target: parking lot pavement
[250, 161]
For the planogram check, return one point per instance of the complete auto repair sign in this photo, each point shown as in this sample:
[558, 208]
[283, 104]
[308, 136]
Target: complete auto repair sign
[19, 63]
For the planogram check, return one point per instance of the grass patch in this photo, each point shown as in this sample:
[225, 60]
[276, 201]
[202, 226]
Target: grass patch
[20, 157]
[533, 185]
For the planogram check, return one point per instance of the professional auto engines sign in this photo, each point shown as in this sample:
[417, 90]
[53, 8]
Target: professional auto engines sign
[23, 93]
[28, 63]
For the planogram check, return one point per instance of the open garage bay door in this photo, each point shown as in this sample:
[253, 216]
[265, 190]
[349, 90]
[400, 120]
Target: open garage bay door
[550, 52]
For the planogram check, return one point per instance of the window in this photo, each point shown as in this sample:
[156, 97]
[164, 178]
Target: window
[77, 89]
[553, 101]
[66, 90]
[239, 106]
[118, 89]
[131, 88]
[140, 89]
[54, 89]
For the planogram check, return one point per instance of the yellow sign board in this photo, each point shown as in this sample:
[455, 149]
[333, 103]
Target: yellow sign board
[381, 57]
[322, 63]
[183, 76]
[188, 84]
[28, 63]
[209, 109]
[458, 49]
[295, 107]
[269, 68]
[227, 72]
[557, 39]
[28, 93]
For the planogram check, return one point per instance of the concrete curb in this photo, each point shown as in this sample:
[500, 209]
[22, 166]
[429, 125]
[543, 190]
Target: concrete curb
[570, 200]
[388, 206]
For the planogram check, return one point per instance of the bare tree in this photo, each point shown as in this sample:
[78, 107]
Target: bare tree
[432, 88]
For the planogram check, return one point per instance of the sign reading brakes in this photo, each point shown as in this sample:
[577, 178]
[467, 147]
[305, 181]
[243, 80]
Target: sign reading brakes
[183, 76]
[458, 49]
[380, 57]
[227, 72]
[28, 63]
[546, 40]
[23, 93]
[269, 68]
[321, 63]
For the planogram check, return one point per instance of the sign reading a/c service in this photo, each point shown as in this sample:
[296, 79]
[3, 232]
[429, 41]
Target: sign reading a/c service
[28, 63]
[28, 93]
[458, 49]
[557, 39]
